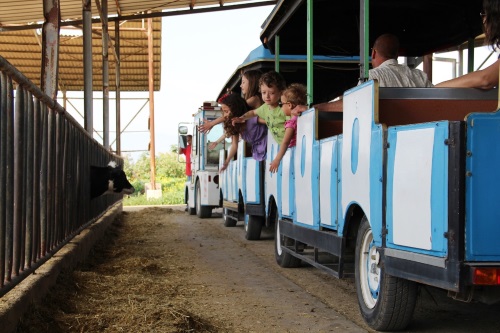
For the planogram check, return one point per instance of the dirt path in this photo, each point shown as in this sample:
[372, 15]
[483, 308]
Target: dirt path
[160, 270]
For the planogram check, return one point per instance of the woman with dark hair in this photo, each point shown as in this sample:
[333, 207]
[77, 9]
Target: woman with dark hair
[251, 131]
[249, 91]
[486, 78]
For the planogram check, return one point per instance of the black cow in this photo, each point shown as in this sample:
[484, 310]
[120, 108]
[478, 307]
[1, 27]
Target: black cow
[110, 179]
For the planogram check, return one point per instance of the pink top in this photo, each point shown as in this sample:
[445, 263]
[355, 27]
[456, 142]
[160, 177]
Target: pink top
[292, 123]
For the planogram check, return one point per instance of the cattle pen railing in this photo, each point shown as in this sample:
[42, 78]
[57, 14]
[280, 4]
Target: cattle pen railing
[45, 159]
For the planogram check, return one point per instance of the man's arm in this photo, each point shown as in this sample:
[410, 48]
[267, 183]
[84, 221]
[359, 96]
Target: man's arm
[483, 79]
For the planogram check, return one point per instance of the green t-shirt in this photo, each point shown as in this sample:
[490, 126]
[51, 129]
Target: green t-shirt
[275, 120]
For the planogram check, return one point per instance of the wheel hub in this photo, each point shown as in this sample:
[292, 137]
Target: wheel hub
[373, 271]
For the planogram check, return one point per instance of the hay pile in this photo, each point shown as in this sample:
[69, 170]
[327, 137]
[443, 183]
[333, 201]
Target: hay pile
[132, 282]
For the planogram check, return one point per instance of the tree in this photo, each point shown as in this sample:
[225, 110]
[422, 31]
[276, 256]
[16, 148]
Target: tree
[168, 170]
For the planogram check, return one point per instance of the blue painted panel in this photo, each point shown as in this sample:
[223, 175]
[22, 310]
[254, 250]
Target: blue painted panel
[242, 172]
[482, 228]
[291, 198]
[376, 182]
[340, 212]
[258, 175]
[278, 176]
[315, 183]
[355, 146]
[291, 184]
[438, 188]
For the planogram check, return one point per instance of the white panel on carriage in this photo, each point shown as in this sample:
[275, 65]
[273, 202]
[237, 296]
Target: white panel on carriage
[412, 188]
[357, 129]
[208, 189]
[327, 183]
[303, 167]
[286, 175]
[191, 194]
[251, 180]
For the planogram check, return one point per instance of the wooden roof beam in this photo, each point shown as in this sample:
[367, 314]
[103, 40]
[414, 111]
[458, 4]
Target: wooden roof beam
[118, 9]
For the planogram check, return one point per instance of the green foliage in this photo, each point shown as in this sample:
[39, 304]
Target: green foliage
[170, 173]
[168, 198]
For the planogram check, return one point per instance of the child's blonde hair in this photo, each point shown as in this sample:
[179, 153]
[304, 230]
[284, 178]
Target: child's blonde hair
[296, 94]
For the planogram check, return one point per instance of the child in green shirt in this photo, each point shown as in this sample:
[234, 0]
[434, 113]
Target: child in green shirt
[271, 85]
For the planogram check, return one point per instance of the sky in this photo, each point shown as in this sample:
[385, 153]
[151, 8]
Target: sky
[199, 54]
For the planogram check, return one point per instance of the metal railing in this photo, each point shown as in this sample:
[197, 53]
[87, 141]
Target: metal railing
[45, 159]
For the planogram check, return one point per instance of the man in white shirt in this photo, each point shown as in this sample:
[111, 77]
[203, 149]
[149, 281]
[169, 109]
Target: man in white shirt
[387, 70]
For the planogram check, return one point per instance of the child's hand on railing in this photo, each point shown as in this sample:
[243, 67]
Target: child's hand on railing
[296, 111]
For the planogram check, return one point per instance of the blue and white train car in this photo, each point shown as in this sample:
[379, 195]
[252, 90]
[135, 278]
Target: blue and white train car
[249, 190]
[242, 191]
[202, 192]
[400, 187]
[402, 193]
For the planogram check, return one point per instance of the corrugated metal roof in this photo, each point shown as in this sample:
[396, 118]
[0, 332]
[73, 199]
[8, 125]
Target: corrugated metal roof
[23, 50]
[22, 12]
[21, 45]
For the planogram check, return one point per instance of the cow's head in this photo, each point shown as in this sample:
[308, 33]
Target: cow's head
[118, 181]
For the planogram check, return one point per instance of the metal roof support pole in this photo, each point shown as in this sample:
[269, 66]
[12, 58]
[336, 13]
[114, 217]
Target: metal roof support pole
[277, 54]
[310, 52]
[50, 47]
[460, 62]
[151, 104]
[87, 68]
[364, 38]
[470, 55]
[105, 75]
[428, 66]
[117, 89]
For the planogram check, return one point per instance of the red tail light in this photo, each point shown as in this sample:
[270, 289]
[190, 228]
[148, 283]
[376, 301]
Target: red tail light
[486, 276]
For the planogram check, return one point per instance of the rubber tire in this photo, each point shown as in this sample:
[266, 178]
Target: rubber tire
[387, 304]
[202, 211]
[228, 222]
[253, 227]
[284, 259]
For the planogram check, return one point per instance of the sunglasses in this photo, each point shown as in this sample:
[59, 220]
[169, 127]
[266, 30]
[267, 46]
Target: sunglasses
[280, 104]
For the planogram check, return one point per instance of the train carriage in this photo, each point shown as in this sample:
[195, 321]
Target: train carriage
[249, 190]
[397, 189]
